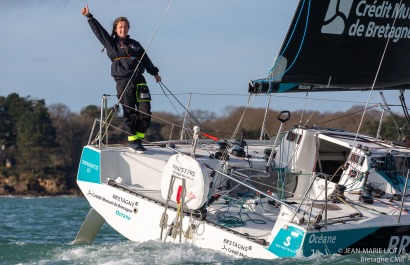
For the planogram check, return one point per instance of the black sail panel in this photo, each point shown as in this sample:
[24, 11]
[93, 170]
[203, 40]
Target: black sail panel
[337, 45]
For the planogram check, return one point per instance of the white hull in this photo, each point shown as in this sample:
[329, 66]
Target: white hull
[316, 190]
[144, 224]
[133, 206]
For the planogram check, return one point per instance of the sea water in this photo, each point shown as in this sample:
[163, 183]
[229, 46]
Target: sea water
[40, 231]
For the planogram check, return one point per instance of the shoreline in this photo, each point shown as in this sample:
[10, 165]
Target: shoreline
[39, 196]
[76, 193]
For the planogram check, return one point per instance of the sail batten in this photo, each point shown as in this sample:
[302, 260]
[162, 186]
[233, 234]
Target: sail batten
[340, 45]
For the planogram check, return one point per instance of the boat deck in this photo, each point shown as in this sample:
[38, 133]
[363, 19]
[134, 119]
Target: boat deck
[250, 216]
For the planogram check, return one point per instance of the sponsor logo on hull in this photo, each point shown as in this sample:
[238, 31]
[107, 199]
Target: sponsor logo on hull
[89, 169]
[287, 242]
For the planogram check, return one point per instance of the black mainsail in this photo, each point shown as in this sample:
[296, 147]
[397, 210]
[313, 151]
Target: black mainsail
[338, 45]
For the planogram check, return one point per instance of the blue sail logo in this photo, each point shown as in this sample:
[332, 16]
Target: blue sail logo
[336, 16]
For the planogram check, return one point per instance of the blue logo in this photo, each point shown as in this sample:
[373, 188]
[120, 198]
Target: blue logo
[287, 242]
[89, 169]
[123, 215]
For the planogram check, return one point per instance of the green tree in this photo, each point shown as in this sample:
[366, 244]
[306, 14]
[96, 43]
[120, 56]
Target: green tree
[11, 109]
[5, 125]
[35, 138]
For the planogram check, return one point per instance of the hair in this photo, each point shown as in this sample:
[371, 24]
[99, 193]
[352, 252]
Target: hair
[114, 26]
[118, 20]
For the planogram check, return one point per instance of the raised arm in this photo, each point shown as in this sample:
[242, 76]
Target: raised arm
[102, 35]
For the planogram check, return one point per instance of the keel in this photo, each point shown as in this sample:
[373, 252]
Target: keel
[90, 228]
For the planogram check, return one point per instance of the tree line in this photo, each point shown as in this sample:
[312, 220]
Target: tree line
[39, 142]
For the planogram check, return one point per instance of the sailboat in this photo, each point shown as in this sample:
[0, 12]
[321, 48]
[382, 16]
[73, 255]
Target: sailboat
[309, 190]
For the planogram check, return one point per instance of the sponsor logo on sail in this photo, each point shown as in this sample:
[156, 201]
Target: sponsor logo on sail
[336, 16]
[377, 19]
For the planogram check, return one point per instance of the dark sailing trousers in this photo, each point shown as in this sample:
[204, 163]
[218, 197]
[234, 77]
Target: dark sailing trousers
[135, 122]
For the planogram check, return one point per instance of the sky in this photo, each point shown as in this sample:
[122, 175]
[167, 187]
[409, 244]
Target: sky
[211, 47]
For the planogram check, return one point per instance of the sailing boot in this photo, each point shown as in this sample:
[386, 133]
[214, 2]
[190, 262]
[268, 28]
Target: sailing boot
[138, 147]
[133, 145]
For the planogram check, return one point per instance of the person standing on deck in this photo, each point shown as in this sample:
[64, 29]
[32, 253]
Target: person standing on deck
[126, 54]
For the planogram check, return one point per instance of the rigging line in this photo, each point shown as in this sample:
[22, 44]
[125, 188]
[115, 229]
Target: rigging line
[179, 115]
[155, 117]
[165, 121]
[162, 84]
[103, 135]
[304, 108]
[377, 72]
[389, 110]
[145, 51]
[405, 110]
[291, 36]
[300, 46]
[275, 95]
[110, 117]
[313, 113]
[225, 153]
[344, 116]
[391, 113]
[250, 99]
[403, 103]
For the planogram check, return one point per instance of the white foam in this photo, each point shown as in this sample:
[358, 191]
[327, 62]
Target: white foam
[152, 252]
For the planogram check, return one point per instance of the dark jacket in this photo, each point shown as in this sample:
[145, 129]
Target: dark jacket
[125, 54]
